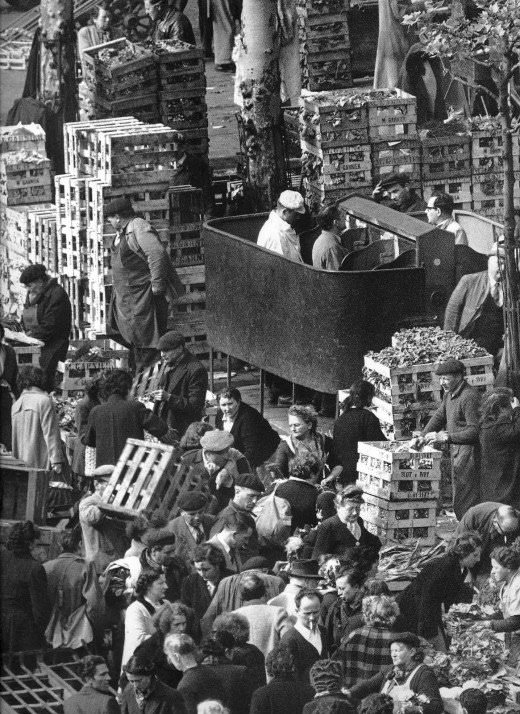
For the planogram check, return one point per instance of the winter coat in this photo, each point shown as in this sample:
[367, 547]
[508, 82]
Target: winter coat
[353, 426]
[90, 701]
[36, 430]
[186, 381]
[253, 434]
[500, 465]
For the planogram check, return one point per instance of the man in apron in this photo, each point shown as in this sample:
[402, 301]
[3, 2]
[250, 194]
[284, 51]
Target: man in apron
[47, 316]
[144, 280]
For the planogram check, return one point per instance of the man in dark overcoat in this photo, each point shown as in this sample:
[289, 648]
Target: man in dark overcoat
[184, 383]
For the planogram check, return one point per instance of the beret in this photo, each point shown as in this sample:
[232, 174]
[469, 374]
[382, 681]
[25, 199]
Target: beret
[117, 205]
[258, 562]
[32, 273]
[192, 501]
[450, 366]
[216, 440]
[396, 178]
[170, 340]
[249, 481]
[292, 200]
[407, 638]
[352, 493]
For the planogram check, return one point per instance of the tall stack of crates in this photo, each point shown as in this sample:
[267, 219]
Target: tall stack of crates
[446, 164]
[487, 167]
[182, 93]
[401, 488]
[335, 145]
[324, 44]
[123, 79]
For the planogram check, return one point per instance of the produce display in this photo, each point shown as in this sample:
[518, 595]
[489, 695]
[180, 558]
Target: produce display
[403, 561]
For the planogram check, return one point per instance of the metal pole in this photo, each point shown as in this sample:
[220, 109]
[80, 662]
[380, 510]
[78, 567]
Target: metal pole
[228, 368]
[294, 393]
[262, 392]
[211, 370]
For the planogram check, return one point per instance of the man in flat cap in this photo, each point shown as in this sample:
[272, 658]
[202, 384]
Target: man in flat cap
[248, 489]
[159, 555]
[345, 530]
[277, 233]
[183, 383]
[475, 308]
[144, 280]
[192, 527]
[456, 422]
[394, 191]
[215, 465]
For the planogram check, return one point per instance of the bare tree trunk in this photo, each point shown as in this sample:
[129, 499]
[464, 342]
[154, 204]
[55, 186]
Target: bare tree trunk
[511, 270]
[261, 110]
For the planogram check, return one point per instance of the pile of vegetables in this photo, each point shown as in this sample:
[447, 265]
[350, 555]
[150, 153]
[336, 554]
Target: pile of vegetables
[90, 352]
[65, 409]
[404, 562]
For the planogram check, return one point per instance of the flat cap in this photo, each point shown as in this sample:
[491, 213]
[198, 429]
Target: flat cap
[397, 178]
[158, 537]
[305, 569]
[406, 638]
[352, 493]
[216, 440]
[292, 200]
[118, 205]
[192, 501]
[450, 366]
[249, 481]
[258, 562]
[170, 340]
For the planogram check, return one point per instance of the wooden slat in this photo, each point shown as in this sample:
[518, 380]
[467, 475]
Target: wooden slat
[128, 471]
[145, 470]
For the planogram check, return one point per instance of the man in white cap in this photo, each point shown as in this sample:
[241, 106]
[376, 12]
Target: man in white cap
[277, 233]
[475, 308]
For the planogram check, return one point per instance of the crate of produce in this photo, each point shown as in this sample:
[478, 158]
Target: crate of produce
[488, 164]
[398, 490]
[418, 535]
[76, 374]
[144, 107]
[353, 157]
[460, 190]
[316, 196]
[444, 157]
[19, 169]
[322, 8]
[491, 207]
[22, 137]
[398, 514]
[413, 171]
[398, 461]
[325, 72]
[175, 55]
[404, 152]
[194, 141]
[486, 140]
[118, 60]
[186, 110]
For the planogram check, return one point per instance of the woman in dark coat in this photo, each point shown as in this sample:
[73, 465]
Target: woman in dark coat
[23, 592]
[81, 415]
[8, 389]
[356, 423]
[440, 583]
[242, 652]
[500, 444]
[284, 694]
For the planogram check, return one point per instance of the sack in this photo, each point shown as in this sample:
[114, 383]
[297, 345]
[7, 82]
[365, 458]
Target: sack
[273, 522]
[74, 631]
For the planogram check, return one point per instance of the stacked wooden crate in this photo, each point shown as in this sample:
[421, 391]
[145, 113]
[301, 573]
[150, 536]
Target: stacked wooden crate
[122, 78]
[401, 488]
[446, 163]
[182, 93]
[335, 145]
[324, 44]
[487, 167]
[407, 396]
[25, 177]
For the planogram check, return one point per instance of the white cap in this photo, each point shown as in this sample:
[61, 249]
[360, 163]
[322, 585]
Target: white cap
[292, 200]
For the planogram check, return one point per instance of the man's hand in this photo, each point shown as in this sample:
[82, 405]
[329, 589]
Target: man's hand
[430, 437]
[443, 437]
[160, 395]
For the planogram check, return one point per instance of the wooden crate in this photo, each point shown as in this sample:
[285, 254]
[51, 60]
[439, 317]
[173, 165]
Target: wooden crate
[398, 490]
[24, 491]
[25, 177]
[422, 535]
[460, 190]
[398, 514]
[446, 157]
[326, 72]
[76, 374]
[390, 462]
[28, 355]
[143, 477]
[42, 240]
[22, 137]
[488, 142]
[405, 153]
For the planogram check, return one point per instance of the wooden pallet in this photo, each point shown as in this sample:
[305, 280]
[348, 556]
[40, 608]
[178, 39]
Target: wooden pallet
[144, 478]
[28, 356]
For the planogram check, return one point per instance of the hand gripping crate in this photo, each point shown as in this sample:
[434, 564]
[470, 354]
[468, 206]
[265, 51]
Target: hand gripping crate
[401, 475]
[145, 477]
[445, 157]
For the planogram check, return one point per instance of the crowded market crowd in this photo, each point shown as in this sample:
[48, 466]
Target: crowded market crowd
[260, 593]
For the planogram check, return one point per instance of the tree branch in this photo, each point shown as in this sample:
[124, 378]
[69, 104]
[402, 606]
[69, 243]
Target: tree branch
[472, 85]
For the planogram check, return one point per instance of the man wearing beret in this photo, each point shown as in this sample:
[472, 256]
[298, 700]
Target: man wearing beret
[216, 464]
[183, 383]
[456, 422]
[277, 233]
[193, 525]
[475, 308]
[248, 489]
[144, 279]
